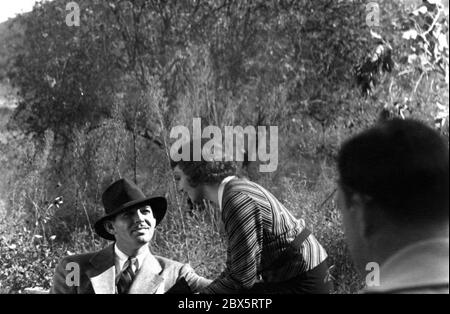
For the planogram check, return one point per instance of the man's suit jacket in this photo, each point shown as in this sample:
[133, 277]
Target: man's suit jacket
[97, 274]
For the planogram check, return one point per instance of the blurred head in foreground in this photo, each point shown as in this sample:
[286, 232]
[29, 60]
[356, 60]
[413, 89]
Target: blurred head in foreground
[393, 194]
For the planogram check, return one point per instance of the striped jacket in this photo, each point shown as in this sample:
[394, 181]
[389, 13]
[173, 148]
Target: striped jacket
[259, 228]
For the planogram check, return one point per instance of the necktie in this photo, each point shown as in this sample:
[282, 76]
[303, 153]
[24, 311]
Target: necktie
[126, 276]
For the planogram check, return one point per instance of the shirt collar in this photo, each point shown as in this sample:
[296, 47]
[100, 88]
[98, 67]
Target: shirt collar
[121, 257]
[422, 263]
[222, 187]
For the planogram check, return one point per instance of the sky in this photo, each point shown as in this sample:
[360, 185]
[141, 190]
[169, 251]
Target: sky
[9, 8]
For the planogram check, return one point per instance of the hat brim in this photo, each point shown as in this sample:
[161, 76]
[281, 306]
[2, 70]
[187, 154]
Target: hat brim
[158, 205]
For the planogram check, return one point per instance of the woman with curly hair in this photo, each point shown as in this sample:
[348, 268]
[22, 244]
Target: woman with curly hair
[269, 250]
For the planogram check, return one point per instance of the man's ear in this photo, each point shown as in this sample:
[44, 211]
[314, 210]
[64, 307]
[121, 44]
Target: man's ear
[109, 227]
[366, 215]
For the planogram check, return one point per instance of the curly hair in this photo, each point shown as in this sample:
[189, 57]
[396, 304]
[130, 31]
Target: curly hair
[204, 171]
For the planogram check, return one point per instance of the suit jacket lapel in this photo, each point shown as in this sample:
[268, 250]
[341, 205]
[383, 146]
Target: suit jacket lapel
[146, 280]
[103, 273]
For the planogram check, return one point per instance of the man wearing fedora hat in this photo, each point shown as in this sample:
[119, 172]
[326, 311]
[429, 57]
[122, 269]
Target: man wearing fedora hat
[127, 266]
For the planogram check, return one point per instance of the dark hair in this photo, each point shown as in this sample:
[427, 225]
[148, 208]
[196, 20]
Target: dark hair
[204, 171]
[403, 166]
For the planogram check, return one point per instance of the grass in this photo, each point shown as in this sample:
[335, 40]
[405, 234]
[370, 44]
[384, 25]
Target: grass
[28, 256]
[28, 261]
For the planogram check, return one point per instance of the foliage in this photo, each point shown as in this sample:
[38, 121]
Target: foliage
[97, 102]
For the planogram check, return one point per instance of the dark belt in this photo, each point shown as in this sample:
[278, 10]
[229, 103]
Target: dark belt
[296, 244]
[300, 238]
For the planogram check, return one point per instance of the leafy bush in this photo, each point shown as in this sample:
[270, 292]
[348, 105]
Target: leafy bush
[97, 102]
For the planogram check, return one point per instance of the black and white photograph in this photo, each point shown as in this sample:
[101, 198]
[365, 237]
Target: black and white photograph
[239, 148]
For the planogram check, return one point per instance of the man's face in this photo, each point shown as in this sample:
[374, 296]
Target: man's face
[353, 226]
[133, 229]
[194, 193]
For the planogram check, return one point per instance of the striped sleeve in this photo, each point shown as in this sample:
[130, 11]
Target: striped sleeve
[245, 235]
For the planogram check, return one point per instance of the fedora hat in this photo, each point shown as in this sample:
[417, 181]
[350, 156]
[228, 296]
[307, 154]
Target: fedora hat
[124, 195]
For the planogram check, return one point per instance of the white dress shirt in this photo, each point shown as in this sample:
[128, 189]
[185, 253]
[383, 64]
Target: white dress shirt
[121, 258]
[416, 269]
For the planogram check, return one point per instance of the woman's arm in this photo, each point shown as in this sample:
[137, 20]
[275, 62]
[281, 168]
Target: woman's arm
[243, 226]
[196, 282]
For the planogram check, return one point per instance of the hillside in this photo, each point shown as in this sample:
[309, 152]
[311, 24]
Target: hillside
[11, 34]
[102, 101]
